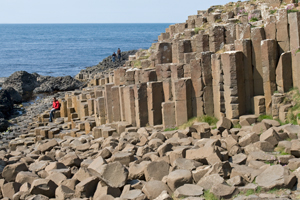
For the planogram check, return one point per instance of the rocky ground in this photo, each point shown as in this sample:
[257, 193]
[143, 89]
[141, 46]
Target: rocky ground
[259, 160]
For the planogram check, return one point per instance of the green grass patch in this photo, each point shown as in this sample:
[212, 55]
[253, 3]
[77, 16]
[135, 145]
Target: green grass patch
[273, 190]
[144, 57]
[209, 196]
[298, 50]
[281, 151]
[273, 12]
[292, 10]
[262, 117]
[197, 29]
[250, 192]
[137, 63]
[212, 121]
[171, 129]
[237, 126]
[253, 19]
[269, 163]
[293, 113]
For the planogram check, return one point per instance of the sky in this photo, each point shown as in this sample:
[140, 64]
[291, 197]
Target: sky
[101, 11]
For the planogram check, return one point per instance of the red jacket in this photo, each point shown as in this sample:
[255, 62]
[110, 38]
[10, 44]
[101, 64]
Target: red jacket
[56, 105]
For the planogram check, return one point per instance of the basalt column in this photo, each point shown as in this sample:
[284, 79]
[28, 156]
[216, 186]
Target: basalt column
[257, 35]
[141, 104]
[269, 62]
[108, 101]
[284, 77]
[164, 53]
[205, 62]
[180, 47]
[116, 104]
[155, 98]
[234, 90]
[122, 104]
[282, 31]
[245, 47]
[216, 38]
[183, 100]
[294, 20]
[100, 111]
[218, 86]
[129, 101]
[197, 88]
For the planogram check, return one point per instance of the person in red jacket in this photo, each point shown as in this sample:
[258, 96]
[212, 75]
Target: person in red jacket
[55, 106]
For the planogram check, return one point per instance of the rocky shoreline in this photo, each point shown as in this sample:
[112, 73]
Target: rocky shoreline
[22, 87]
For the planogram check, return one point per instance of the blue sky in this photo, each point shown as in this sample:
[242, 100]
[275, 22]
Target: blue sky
[101, 11]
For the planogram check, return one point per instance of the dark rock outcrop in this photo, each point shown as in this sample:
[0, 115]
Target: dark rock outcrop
[14, 95]
[6, 103]
[3, 124]
[23, 82]
[108, 64]
[27, 84]
[58, 84]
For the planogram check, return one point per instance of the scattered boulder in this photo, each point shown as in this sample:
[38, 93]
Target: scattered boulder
[10, 172]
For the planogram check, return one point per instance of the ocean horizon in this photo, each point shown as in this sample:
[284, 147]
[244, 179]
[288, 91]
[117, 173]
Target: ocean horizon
[66, 48]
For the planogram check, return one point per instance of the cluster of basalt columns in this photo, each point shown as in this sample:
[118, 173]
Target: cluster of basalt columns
[232, 71]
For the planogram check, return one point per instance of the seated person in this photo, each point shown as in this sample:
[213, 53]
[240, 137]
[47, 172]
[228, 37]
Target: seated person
[55, 106]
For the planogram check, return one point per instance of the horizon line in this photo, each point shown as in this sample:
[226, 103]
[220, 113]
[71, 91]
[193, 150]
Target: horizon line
[97, 23]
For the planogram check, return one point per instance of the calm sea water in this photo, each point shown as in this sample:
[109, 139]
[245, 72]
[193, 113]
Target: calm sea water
[65, 49]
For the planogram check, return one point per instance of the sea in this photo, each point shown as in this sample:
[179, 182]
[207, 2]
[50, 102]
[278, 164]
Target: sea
[65, 49]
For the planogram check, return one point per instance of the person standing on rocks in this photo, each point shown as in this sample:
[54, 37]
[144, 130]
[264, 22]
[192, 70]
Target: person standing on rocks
[119, 54]
[55, 107]
[114, 57]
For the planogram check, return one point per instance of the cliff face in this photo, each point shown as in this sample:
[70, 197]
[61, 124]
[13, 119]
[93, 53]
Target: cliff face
[225, 61]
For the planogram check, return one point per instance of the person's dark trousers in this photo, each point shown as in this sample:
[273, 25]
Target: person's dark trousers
[119, 57]
[51, 114]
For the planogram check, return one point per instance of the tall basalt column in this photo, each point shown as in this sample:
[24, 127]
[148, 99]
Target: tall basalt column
[164, 53]
[116, 104]
[282, 31]
[129, 101]
[269, 62]
[141, 104]
[246, 48]
[180, 47]
[205, 62]
[270, 27]
[155, 98]
[218, 86]
[91, 106]
[183, 100]
[197, 88]
[201, 42]
[257, 35]
[294, 20]
[122, 104]
[119, 76]
[108, 101]
[234, 90]
[63, 109]
[284, 77]
[216, 38]
[100, 111]
[168, 115]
